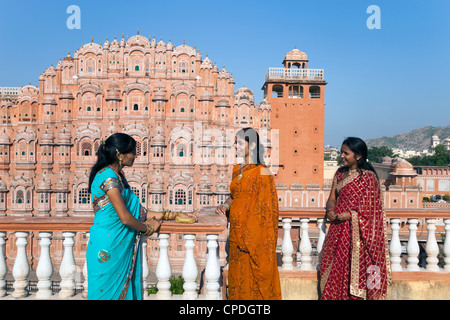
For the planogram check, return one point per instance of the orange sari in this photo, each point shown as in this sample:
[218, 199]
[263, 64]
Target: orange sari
[253, 270]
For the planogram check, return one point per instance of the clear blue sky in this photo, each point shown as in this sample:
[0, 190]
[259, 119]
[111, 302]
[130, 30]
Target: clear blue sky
[380, 82]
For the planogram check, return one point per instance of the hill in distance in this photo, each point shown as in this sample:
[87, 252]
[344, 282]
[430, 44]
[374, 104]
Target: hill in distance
[418, 139]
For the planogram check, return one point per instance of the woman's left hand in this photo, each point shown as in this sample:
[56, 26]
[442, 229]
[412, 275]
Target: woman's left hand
[345, 216]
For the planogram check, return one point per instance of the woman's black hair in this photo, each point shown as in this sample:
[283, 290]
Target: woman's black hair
[359, 147]
[250, 135]
[107, 154]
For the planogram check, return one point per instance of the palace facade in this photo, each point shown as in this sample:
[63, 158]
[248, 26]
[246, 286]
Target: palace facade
[182, 109]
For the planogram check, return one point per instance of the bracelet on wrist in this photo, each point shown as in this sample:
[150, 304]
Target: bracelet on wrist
[150, 230]
[226, 205]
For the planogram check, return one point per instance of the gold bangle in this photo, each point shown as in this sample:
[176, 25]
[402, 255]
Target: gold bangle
[150, 230]
[226, 205]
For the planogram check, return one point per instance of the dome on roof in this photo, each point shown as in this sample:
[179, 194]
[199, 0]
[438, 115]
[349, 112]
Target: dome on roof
[295, 54]
[138, 40]
[401, 167]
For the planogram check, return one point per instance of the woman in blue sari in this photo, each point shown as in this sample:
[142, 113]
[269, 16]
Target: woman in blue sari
[113, 253]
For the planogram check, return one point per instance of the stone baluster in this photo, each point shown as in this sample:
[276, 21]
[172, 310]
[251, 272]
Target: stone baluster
[44, 268]
[84, 294]
[163, 270]
[322, 233]
[144, 264]
[3, 266]
[212, 269]
[190, 271]
[286, 247]
[21, 269]
[305, 246]
[431, 247]
[395, 248]
[68, 268]
[446, 248]
[413, 248]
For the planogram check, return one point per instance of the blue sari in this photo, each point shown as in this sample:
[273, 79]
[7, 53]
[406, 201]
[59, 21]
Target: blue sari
[113, 253]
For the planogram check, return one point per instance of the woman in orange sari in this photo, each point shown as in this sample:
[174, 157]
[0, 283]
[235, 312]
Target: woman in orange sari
[253, 213]
[355, 260]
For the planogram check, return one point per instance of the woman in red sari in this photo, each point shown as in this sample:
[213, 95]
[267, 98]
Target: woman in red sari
[253, 212]
[355, 260]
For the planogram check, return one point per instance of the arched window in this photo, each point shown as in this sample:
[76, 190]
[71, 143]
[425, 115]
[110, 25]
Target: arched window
[314, 92]
[180, 197]
[83, 196]
[19, 196]
[277, 91]
[86, 149]
[181, 150]
[183, 66]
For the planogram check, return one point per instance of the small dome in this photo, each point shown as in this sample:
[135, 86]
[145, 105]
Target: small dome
[295, 55]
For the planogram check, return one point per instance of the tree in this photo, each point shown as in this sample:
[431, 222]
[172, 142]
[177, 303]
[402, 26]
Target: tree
[441, 157]
[376, 154]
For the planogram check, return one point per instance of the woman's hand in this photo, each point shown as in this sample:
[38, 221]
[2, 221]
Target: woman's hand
[345, 216]
[221, 210]
[331, 215]
[154, 223]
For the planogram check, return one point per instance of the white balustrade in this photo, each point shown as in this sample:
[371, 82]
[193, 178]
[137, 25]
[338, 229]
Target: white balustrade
[432, 248]
[144, 264]
[413, 248]
[68, 268]
[395, 247]
[322, 233]
[163, 270]
[305, 246]
[190, 271]
[212, 269]
[287, 248]
[3, 266]
[44, 268]
[84, 294]
[446, 248]
[212, 288]
[21, 269]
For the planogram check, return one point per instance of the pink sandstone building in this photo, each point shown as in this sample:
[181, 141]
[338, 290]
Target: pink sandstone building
[183, 111]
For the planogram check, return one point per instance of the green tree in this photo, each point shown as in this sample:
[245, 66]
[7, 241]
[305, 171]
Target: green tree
[376, 154]
[441, 157]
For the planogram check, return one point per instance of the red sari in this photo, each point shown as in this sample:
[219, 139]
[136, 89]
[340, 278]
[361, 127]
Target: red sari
[355, 261]
[252, 269]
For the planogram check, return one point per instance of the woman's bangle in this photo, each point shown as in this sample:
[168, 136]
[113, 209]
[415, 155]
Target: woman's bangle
[150, 230]
[226, 205]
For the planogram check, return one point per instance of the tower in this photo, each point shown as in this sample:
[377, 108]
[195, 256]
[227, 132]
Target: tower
[296, 95]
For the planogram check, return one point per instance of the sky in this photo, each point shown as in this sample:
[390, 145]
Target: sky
[380, 82]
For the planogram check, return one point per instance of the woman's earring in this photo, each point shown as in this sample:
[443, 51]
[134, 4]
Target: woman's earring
[121, 163]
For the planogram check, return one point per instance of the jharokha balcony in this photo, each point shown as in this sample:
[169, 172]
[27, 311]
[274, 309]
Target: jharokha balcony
[44, 257]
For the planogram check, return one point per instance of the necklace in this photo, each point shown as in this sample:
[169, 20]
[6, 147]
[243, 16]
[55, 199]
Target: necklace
[118, 175]
[242, 170]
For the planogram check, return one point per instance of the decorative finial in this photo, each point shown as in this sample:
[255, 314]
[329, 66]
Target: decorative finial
[138, 31]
